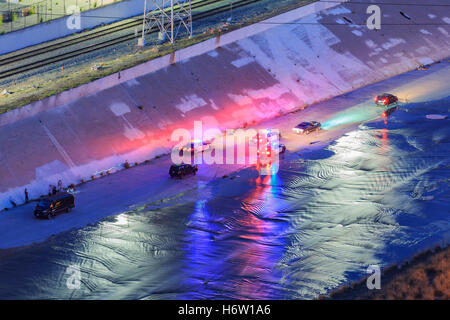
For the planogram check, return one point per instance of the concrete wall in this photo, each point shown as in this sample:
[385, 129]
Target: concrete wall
[57, 28]
[252, 74]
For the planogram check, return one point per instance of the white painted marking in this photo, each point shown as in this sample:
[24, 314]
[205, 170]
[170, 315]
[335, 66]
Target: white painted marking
[242, 62]
[425, 61]
[240, 99]
[213, 53]
[190, 103]
[119, 109]
[443, 31]
[392, 43]
[213, 104]
[59, 147]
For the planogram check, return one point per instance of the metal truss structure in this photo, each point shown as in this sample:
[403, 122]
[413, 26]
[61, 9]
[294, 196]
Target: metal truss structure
[169, 17]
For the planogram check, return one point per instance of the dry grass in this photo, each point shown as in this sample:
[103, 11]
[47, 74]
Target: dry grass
[425, 277]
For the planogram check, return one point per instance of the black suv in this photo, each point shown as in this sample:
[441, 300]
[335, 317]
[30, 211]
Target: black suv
[181, 170]
[307, 127]
[385, 99]
[50, 207]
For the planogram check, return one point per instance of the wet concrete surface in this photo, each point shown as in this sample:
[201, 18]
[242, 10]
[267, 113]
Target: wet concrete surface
[371, 191]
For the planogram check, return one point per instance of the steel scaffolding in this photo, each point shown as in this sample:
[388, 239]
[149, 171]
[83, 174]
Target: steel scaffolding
[169, 17]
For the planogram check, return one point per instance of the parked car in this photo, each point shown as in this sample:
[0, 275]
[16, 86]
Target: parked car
[181, 170]
[52, 206]
[307, 127]
[385, 99]
[195, 147]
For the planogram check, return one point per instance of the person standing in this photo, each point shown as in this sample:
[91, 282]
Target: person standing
[26, 196]
[71, 189]
[60, 186]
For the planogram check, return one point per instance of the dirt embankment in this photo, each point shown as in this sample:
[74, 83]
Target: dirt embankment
[425, 276]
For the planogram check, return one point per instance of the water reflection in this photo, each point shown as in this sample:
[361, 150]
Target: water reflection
[238, 258]
[374, 196]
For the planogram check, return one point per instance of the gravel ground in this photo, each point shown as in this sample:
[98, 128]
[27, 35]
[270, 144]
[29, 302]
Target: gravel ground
[426, 276]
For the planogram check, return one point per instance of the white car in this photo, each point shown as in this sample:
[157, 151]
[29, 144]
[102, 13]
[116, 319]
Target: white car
[307, 127]
[196, 147]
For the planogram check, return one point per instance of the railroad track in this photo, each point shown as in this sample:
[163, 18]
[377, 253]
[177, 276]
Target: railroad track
[100, 45]
[90, 36]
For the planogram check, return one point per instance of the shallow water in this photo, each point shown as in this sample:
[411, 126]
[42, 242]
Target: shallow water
[374, 196]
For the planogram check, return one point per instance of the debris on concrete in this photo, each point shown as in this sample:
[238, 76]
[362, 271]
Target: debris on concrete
[5, 92]
[97, 67]
[436, 116]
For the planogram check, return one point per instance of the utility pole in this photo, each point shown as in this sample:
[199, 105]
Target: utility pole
[171, 22]
[168, 18]
[231, 10]
[141, 41]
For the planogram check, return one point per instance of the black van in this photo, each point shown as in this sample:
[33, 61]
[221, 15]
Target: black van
[50, 207]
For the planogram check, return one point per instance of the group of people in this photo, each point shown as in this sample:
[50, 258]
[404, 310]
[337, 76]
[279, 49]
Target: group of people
[52, 190]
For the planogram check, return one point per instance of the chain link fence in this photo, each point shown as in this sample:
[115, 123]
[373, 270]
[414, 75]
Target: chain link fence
[19, 14]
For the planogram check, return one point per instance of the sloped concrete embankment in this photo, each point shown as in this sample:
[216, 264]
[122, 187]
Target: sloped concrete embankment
[246, 76]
